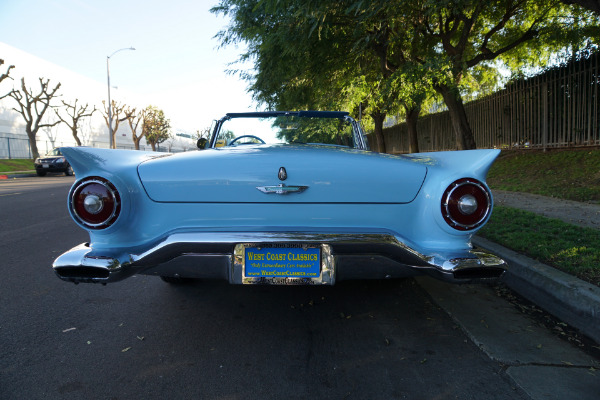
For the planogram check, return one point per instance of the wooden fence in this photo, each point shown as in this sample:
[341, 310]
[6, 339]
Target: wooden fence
[559, 108]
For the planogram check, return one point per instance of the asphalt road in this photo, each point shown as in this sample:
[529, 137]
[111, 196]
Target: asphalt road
[145, 339]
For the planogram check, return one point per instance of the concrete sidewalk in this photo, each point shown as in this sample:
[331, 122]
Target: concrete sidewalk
[568, 298]
[542, 367]
[536, 359]
[572, 300]
[573, 212]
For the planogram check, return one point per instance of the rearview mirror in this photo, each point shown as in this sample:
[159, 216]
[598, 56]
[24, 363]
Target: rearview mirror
[202, 143]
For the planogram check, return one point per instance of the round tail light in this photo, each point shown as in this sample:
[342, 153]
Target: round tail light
[466, 204]
[95, 203]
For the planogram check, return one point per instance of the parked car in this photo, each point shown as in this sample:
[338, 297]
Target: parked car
[279, 198]
[53, 161]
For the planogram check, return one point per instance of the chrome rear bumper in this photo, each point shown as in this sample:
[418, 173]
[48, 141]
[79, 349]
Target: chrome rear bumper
[220, 256]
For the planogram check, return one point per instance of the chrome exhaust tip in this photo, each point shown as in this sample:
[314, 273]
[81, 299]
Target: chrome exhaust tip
[82, 274]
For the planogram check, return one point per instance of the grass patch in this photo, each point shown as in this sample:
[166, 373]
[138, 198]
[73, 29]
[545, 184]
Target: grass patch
[572, 174]
[16, 165]
[569, 248]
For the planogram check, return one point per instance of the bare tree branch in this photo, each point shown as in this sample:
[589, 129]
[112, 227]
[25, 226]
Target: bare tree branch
[5, 76]
[116, 110]
[134, 119]
[75, 114]
[32, 108]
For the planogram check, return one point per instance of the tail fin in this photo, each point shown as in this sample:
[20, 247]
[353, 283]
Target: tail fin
[86, 160]
[477, 162]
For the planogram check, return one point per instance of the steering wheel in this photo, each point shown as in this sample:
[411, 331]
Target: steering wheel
[246, 136]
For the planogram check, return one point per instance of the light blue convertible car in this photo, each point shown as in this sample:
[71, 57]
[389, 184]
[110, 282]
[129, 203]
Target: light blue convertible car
[290, 198]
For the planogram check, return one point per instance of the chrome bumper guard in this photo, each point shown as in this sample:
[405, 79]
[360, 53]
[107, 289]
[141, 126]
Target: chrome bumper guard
[221, 256]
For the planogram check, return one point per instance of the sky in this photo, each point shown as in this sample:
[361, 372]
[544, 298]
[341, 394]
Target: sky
[177, 64]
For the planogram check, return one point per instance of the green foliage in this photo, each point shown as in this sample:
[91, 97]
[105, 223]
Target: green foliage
[156, 127]
[567, 174]
[16, 165]
[314, 130]
[303, 53]
[388, 56]
[570, 248]
[571, 29]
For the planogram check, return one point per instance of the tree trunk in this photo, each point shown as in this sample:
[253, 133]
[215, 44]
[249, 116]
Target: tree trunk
[153, 146]
[32, 142]
[460, 123]
[412, 117]
[378, 118]
[74, 132]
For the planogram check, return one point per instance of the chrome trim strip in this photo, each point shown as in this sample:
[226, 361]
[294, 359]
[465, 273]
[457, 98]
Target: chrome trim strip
[282, 188]
[359, 135]
[335, 246]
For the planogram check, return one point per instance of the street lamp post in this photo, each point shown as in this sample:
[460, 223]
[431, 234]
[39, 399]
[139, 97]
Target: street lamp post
[110, 130]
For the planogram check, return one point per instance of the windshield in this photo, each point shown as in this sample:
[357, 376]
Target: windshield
[54, 152]
[285, 129]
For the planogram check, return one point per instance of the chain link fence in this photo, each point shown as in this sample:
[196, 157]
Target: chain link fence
[13, 146]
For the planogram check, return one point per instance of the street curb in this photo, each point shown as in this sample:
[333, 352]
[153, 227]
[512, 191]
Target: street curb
[570, 299]
[9, 176]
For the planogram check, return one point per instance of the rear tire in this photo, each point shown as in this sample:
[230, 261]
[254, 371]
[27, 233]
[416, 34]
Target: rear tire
[69, 171]
[177, 280]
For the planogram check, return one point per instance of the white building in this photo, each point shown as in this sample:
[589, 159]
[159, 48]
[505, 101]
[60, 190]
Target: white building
[93, 131]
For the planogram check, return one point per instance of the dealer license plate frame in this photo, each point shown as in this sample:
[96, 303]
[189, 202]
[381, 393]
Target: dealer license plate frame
[325, 267]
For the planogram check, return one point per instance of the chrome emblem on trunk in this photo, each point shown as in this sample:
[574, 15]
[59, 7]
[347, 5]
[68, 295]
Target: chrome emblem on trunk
[282, 174]
[282, 188]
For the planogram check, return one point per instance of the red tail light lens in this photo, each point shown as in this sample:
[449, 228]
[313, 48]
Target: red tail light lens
[466, 204]
[95, 203]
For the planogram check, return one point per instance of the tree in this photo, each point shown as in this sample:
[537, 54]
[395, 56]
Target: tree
[32, 108]
[119, 114]
[593, 5]
[438, 44]
[461, 35]
[5, 75]
[203, 133]
[156, 127]
[50, 130]
[391, 54]
[202, 137]
[134, 119]
[330, 54]
[298, 67]
[85, 130]
[382, 29]
[74, 115]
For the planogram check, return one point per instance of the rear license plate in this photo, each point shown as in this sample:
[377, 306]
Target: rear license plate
[283, 265]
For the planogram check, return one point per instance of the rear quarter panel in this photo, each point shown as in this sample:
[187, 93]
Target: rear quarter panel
[144, 222]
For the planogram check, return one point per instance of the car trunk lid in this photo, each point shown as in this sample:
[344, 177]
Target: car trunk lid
[241, 175]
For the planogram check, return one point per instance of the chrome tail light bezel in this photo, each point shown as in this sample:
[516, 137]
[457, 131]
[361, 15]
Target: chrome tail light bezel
[460, 189]
[93, 221]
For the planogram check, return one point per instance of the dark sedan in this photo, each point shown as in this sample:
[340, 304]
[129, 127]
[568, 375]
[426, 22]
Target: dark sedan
[54, 161]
